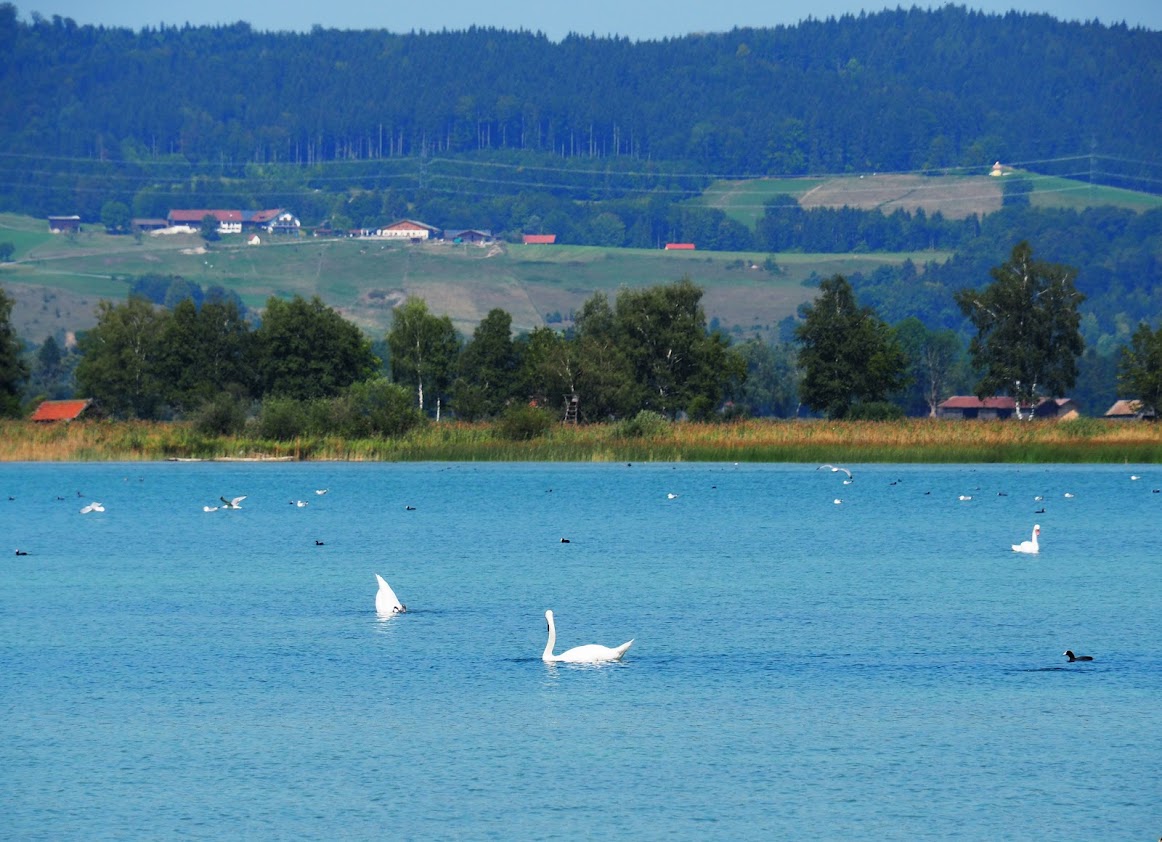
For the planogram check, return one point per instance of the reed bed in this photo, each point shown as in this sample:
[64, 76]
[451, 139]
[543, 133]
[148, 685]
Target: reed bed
[913, 440]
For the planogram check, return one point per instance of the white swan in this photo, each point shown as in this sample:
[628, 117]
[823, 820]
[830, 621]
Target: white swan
[386, 602]
[1030, 546]
[590, 653]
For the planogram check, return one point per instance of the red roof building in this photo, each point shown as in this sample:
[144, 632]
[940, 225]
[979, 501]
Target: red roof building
[970, 406]
[540, 239]
[679, 247]
[59, 410]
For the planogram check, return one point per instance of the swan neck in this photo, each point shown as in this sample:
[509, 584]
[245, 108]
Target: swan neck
[552, 641]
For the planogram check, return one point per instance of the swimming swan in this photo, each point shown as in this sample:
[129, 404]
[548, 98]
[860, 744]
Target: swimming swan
[590, 653]
[1030, 546]
[386, 602]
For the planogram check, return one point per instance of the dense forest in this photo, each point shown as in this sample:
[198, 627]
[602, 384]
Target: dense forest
[89, 111]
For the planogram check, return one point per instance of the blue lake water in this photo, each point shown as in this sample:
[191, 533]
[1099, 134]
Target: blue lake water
[882, 668]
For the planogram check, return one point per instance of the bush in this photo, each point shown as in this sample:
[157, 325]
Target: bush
[646, 423]
[224, 415]
[874, 411]
[378, 408]
[522, 423]
[281, 419]
[701, 408]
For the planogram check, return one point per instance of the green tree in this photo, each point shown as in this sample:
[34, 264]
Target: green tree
[548, 367]
[209, 228]
[207, 351]
[375, 407]
[488, 368]
[848, 355]
[1027, 322]
[674, 362]
[115, 217]
[1016, 192]
[120, 365]
[598, 369]
[13, 370]
[1140, 371]
[424, 349]
[304, 350]
[772, 379]
[933, 359]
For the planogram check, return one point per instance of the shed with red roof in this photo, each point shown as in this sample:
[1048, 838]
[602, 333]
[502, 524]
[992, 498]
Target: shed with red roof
[60, 410]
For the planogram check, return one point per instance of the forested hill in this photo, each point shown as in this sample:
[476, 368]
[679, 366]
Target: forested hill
[898, 90]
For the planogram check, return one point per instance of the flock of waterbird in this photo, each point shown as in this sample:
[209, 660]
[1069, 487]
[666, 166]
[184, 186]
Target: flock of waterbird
[387, 604]
[1029, 547]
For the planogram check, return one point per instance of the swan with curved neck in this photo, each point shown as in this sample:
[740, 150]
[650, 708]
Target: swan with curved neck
[1030, 546]
[386, 602]
[590, 653]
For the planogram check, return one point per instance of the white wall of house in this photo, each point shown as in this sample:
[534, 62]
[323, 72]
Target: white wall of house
[403, 233]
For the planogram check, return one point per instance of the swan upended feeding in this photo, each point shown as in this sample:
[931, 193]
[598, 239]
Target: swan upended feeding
[236, 503]
[1030, 546]
[386, 602]
[590, 653]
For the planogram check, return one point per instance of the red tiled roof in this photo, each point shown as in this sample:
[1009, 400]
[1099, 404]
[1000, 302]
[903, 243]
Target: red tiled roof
[262, 216]
[407, 225]
[59, 410]
[540, 239]
[973, 402]
[188, 216]
[681, 246]
[1125, 407]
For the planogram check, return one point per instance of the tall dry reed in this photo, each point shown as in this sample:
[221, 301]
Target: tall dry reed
[912, 440]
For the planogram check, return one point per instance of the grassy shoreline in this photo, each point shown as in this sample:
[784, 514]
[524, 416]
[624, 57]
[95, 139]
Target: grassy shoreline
[913, 440]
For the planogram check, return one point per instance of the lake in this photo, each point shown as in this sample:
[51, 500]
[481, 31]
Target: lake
[883, 667]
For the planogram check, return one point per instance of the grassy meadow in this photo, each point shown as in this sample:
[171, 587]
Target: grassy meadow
[913, 440]
[56, 281]
[955, 196]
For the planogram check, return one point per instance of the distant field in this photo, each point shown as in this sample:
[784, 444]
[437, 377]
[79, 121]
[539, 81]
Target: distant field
[57, 280]
[744, 200]
[954, 196]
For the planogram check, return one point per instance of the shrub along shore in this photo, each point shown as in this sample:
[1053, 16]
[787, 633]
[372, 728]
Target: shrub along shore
[913, 440]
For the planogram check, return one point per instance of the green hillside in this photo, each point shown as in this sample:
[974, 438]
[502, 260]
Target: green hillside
[57, 280]
[954, 196]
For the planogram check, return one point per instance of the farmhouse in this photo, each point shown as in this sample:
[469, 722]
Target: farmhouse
[468, 235]
[406, 229]
[64, 224]
[274, 220]
[229, 221]
[1001, 407]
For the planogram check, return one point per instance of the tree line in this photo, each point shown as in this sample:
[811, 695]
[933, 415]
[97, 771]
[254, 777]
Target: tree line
[304, 367]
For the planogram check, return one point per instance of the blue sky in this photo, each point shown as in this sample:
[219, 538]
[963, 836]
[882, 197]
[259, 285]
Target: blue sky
[635, 19]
